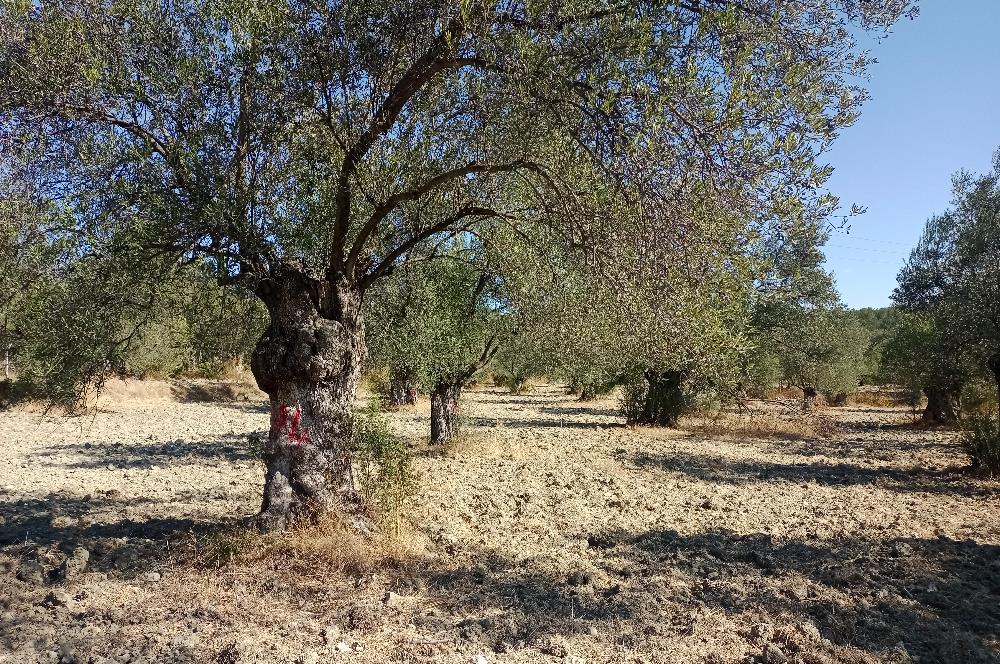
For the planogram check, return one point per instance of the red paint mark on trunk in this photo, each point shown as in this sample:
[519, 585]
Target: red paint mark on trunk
[295, 433]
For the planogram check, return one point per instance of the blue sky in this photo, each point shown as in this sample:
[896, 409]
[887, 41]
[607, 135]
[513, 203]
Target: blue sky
[935, 109]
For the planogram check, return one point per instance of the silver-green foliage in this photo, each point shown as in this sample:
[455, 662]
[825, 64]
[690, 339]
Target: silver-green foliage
[336, 137]
[981, 440]
[382, 464]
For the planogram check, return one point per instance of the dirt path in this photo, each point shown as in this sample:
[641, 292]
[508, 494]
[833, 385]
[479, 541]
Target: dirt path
[553, 535]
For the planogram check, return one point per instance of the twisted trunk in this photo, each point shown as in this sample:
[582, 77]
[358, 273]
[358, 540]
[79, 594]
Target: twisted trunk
[664, 398]
[942, 406]
[402, 390]
[308, 361]
[444, 411]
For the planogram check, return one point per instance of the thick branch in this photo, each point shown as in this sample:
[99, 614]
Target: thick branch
[418, 74]
[397, 199]
[385, 266]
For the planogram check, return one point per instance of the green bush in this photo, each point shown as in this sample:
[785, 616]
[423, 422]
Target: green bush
[632, 401]
[979, 397]
[981, 440]
[382, 464]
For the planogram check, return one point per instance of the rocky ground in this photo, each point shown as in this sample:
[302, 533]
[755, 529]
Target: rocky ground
[552, 534]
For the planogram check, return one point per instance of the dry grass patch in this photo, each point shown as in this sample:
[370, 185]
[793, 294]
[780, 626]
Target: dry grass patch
[758, 424]
[316, 552]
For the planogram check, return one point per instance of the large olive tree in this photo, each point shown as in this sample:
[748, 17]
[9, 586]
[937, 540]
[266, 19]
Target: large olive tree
[308, 147]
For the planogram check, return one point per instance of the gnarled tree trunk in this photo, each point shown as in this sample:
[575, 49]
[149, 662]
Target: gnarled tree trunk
[942, 406]
[402, 390]
[664, 398]
[444, 411]
[809, 396]
[309, 362]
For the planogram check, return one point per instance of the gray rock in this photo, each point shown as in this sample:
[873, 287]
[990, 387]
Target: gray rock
[331, 634]
[32, 572]
[75, 564]
[773, 654]
[58, 598]
[150, 577]
[392, 599]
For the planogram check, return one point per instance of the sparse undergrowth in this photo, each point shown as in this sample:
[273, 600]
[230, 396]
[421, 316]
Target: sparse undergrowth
[981, 440]
[315, 552]
[758, 424]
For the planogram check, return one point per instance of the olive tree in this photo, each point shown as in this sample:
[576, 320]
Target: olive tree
[952, 277]
[438, 325]
[920, 355]
[308, 147]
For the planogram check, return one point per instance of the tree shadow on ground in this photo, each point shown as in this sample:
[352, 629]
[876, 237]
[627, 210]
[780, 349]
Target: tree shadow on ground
[898, 600]
[575, 408]
[890, 449]
[66, 521]
[721, 470]
[231, 448]
[540, 422]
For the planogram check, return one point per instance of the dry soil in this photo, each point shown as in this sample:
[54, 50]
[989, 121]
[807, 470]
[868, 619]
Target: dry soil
[551, 534]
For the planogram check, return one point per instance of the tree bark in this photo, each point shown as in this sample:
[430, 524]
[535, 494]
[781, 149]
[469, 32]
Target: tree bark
[809, 395]
[308, 361]
[402, 391]
[942, 406]
[444, 412]
[664, 402]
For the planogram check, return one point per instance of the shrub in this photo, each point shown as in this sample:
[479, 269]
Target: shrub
[979, 397]
[382, 464]
[981, 440]
[632, 401]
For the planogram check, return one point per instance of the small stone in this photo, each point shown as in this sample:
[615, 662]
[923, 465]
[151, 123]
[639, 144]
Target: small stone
[150, 577]
[112, 466]
[573, 659]
[901, 549]
[479, 659]
[773, 654]
[61, 521]
[392, 599]
[57, 598]
[75, 564]
[309, 658]
[67, 652]
[342, 646]
[331, 634]
[592, 631]
[31, 571]
[811, 631]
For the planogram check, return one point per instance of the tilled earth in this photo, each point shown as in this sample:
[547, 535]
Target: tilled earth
[552, 534]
